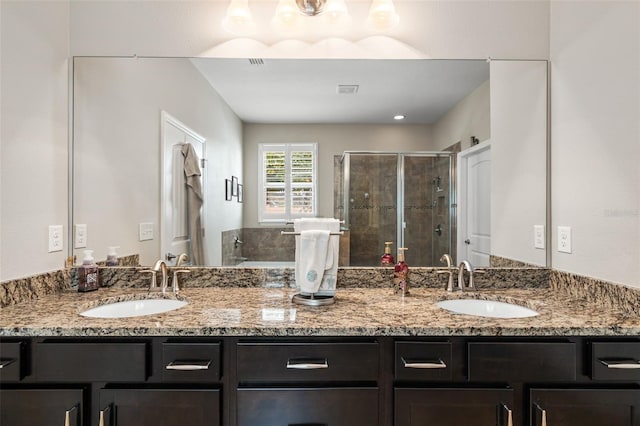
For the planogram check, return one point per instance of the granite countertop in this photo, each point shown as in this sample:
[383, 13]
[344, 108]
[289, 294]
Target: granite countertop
[234, 311]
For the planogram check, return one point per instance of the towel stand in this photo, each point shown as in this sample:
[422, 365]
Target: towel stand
[297, 233]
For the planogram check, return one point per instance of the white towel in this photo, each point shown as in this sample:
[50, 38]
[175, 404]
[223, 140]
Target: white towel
[317, 255]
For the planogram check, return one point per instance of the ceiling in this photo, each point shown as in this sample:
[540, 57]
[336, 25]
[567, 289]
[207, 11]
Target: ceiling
[306, 90]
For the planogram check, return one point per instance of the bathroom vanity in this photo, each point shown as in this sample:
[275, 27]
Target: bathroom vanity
[247, 357]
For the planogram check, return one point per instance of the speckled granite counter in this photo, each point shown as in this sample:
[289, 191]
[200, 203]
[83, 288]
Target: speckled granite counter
[357, 312]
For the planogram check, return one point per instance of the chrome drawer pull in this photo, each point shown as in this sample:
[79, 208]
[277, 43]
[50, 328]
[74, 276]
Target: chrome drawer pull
[188, 365]
[424, 364]
[6, 362]
[509, 415]
[543, 413]
[307, 364]
[67, 415]
[105, 412]
[621, 364]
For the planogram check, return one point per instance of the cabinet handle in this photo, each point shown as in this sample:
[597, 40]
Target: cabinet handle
[6, 362]
[105, 416]
[188, 365]
[424, 364]
[509, 415]
[621, 364]
[543, 414]
[307, 364]
[67, 416]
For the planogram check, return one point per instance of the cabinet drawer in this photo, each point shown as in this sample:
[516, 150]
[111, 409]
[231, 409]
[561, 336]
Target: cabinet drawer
[86, 362]
[423, 361]
[522, 361]
[307, 362]
[13, 361]
[190, 362]
[615, 361]
[142, 407]
[308, 407]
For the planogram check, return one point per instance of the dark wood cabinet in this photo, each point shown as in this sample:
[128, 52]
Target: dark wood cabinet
[582, 407]
[453, 407]
[159, 407]
[320, 381]
[308, 406]
[41, 407]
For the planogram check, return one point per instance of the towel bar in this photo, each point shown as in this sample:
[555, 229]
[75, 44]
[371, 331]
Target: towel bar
[297, 233]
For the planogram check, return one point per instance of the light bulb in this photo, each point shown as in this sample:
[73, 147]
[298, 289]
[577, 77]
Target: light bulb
[382, 15]
[238, 20]
[286, 17]
[336, 14]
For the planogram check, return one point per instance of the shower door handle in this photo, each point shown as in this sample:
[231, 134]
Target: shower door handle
[438, 229]
[467, 241]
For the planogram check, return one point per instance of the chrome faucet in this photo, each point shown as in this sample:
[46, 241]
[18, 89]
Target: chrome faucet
[174, 282]
[446, 258]
[465, 264]
[181, 259]
[161, 267]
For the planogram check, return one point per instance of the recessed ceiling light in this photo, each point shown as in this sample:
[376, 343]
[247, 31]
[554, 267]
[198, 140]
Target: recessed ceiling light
[398, 117]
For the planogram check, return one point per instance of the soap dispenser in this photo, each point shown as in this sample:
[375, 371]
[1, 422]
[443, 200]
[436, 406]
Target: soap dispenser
[88, 273]
[112, 256]
[387, 258]
[401, 274]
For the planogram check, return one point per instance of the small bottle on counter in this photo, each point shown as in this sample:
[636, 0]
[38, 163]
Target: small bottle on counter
[401, 274]
[112, 256]
[387, 258]
[88, 273]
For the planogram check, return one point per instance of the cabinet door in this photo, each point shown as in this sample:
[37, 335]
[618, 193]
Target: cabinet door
[580, 407]
[308, 407]
[41, 407]
[453, 407]
[159, 407]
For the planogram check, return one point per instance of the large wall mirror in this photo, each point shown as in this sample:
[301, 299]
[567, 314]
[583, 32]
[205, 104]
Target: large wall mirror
[464, 172]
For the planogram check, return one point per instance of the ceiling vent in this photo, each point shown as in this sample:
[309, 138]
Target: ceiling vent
[256, 61]
[348, 89]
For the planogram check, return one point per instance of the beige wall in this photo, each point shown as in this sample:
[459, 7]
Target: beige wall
[117, 150]
[595, 97]
[332, 140]
[33, 138]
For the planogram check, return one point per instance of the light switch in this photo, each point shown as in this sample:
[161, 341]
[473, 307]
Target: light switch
[146, 231]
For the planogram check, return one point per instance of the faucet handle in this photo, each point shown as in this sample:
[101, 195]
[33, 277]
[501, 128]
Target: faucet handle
[154, 281]
[174, 282]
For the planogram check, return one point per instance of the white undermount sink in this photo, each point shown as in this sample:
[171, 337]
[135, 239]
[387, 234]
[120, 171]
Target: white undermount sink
[134, 308]
[487, 308]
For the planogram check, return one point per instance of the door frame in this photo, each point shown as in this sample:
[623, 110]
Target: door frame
[461, 194]
[167, 119]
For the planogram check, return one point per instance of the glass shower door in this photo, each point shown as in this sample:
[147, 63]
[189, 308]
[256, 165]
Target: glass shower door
[372, 206]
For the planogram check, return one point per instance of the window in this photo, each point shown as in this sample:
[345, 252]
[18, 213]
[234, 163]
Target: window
[287, 181]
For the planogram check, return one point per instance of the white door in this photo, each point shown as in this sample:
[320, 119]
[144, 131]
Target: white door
[474, 204]
[174, 235]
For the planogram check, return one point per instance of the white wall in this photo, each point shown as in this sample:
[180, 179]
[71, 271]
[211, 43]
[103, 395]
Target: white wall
[332, 140]
[33, 138]
[595, 81]
[518, 158]
[470, 117]
[117, 146]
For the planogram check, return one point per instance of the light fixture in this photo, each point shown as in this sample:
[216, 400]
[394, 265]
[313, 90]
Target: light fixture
[382, 15]
[238, 20]
[290, 14]
[399, 117]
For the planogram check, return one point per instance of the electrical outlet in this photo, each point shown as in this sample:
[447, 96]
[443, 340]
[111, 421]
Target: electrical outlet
[564, 239]
[80, 236]
[55, 238]
[538, 236]
[146, 231]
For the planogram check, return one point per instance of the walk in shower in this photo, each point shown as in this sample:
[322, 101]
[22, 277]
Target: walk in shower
[404, 197]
